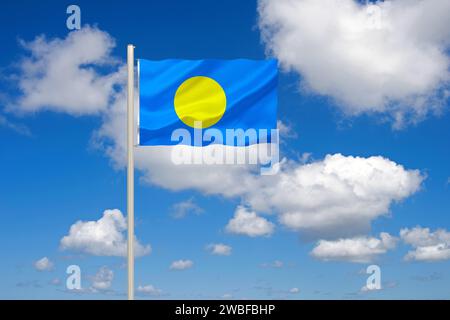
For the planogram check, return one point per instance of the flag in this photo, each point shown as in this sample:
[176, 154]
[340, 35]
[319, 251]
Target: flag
[195, 95]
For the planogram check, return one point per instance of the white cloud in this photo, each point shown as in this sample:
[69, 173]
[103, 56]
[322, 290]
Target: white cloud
[181, 265]
[275, 264]
[337, 196]
[183, 208]
[104, 237]
[340, 195]
[366, 289]
[294, 290]
[219, 249]
[248, 223]
[149, 290]
[286, 130]
[428, 246]
[44, 264]
[17, 127]
[358, 249]
[389, 57]
[102, 279]
[62, 74]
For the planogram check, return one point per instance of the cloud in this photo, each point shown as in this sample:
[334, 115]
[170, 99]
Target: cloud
[286, 130]
[63, 75]
[428, 246]
[275, 264]
[219, 249]
[44, 264]
[103, 279]
[149, 290]
[18, 128]
[358, 249]
[181, 209]
[340, 195]
[181, 265]
[294, 290]
[28, 283]
[386, 285]
[386, 57]
[55, 282]
[249, 223]
[434, 276]
[337, 196]
[104, 237]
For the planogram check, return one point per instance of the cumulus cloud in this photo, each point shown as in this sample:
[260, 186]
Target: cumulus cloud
[103, 279]
[149, 290]
[386, 57]
[339, 195]
[336, 196]
[181, 209]
[63, 75]
[428, 246]
[104, 237]
[219, 249]
[358, 249]
[181, 265]
[44, 264]
[248, 223]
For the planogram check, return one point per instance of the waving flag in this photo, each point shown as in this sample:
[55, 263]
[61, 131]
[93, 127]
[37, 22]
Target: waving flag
[206, 94]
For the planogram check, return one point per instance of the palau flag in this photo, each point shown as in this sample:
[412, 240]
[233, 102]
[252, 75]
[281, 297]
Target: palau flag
[217, 94]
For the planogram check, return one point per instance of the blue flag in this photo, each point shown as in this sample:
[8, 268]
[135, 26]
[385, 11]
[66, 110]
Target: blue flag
[211, 96]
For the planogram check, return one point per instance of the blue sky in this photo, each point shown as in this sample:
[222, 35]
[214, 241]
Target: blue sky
[56, 171]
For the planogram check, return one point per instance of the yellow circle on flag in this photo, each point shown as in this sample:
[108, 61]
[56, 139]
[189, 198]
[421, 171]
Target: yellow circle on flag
[200, 102]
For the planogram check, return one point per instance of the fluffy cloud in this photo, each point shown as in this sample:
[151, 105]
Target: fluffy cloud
[181, 265]
[44, 264]
[340, 194]
[337, 196]
[62, 74]
[358, 249]
[428, 246]
[219, 249]
[183, 208]
[389, 56]
[149, 290]
[102, 279]
[104, 237]
[249, 223]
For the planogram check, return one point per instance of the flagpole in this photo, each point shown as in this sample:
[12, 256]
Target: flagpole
[130, 173]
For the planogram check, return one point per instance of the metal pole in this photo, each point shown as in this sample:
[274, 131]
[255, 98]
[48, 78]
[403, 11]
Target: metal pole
[130, 173]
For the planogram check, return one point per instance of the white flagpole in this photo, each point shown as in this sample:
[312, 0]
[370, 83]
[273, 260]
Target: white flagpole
[130, 174]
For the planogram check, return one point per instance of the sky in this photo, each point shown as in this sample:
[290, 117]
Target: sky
[363, 116]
